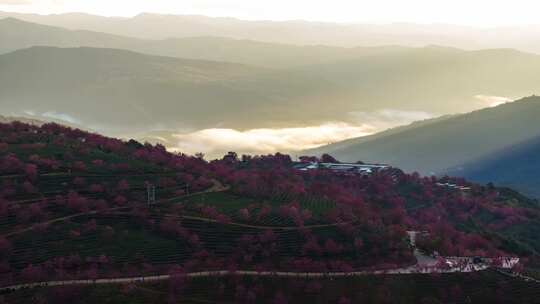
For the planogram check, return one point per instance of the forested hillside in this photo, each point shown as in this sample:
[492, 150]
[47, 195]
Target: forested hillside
[76, 205]
[516, 166]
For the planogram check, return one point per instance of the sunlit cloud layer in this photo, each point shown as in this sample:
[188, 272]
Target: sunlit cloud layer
[215, 142]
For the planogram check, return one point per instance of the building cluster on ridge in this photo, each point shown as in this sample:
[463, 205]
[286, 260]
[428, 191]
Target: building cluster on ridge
[364, 169]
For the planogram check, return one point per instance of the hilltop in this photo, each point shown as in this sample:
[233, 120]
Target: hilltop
[433, 146]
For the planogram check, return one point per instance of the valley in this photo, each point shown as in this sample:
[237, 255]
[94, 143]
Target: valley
[239, 152]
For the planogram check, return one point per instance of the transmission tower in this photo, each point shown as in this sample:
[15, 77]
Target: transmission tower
[151, 194]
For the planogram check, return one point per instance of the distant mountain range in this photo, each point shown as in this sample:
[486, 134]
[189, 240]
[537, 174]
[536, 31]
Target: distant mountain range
[491, 145]
[16, 34]
[107, 88]
[92, 86]
[323, 83]
[155, 26]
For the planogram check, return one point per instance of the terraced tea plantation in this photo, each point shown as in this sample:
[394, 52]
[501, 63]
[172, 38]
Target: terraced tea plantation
[86, 219]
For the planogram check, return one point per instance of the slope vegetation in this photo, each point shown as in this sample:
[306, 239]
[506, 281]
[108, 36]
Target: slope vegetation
[515, 166]
[79, 206]
[434, 146]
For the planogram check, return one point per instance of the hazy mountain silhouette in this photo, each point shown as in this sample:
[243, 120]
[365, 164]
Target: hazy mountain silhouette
[433, 79]
[155, 26]
[160, 91]
[118, 88]
[17, 34]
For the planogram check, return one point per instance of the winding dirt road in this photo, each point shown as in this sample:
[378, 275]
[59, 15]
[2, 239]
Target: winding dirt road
[279, 274]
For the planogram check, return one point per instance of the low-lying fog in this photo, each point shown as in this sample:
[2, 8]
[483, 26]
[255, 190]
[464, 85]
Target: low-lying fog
[215, 142]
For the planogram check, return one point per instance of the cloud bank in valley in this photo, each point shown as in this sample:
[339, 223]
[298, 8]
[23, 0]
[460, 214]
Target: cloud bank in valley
[216, 142]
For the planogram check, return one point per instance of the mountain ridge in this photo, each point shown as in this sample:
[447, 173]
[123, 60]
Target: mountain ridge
[434, 147]
[245, 51]
[67, 80]
[155, 26]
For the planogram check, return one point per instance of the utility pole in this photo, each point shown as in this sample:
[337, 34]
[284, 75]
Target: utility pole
[151, 194]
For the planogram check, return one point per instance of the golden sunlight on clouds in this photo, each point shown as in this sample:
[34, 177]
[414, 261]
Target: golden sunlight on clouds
[216, 142]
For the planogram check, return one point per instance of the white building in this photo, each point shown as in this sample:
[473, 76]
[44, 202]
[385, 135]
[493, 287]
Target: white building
[342, 167]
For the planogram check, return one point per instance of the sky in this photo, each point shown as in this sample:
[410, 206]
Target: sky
[480, 13]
